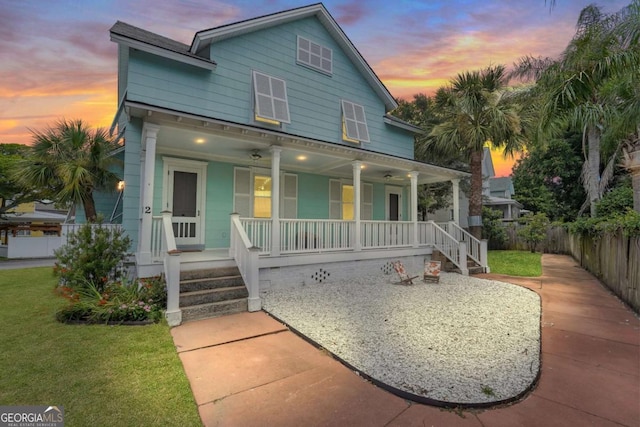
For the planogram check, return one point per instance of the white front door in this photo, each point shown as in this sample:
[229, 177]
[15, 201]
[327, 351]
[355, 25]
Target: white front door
[184, 197]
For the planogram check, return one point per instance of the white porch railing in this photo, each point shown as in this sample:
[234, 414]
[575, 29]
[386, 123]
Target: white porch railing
[259, 232]
[476, 249]
[246, 256]
[315, 235]
[386, 234]
[453, 249]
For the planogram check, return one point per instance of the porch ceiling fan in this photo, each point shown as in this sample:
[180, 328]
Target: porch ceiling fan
[255, 155]
[388, 176]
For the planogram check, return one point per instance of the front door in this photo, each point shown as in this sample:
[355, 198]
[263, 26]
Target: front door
[394, 203]
[184, 198]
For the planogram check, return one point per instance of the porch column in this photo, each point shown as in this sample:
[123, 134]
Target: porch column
[357, 167]
[455, 184]
[275, 200]
[150, 134]
[413, 175]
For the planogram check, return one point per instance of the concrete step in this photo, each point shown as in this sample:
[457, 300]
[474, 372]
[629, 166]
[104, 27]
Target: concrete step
[475, 270]
[215, 282]
[206, 296]
[209, 273]
[214, 309]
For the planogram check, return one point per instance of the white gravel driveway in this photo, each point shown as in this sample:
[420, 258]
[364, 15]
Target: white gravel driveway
[464, 340]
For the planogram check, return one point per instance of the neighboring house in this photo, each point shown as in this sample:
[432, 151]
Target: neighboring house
[280, 120]
[500, 198]
[31, 230]
[496, 193]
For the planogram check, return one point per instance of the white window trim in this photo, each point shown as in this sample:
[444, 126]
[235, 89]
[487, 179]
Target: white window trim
[364, 187]
[322, 57]
[250, 196]
[352, 106]
[273, 119]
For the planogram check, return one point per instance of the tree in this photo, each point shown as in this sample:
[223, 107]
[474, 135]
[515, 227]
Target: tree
[547, 178]
[534, 230]
[475, 110]
[421, 112]
[72, 162]
[492, 228]
[12, 191]
[583, 89]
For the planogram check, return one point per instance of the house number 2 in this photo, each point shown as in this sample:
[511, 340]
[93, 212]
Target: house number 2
[147, 209]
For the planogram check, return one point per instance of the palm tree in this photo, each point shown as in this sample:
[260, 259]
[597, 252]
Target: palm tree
[583, 89]
[474, 110]
[72, 162]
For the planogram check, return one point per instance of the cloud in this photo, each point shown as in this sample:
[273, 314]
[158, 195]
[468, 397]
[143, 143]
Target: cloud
[178, 20]
[352, 12]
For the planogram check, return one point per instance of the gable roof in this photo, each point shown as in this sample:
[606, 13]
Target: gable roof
[204, 38]
[501, 184]
[144, 40]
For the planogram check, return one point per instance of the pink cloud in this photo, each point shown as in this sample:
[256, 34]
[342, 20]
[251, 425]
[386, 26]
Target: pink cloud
[351, 13]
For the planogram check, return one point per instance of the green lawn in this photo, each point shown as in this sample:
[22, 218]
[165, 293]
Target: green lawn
[101, 375]
[515, 263]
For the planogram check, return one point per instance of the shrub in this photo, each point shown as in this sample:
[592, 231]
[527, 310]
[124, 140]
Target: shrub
[492, 228]
[93, 255]
[626, 222]
[534, 230]
[118, 302]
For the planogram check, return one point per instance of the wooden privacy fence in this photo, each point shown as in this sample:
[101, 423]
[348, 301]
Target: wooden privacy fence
[613, 258]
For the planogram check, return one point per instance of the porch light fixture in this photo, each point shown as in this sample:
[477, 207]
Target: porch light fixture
[199, 141]
[388, 176]
[255, 155]
[120, 185]
[301, 157]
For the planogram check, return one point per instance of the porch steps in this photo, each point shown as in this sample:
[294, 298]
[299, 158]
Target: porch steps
[211, 292]
[449, 266]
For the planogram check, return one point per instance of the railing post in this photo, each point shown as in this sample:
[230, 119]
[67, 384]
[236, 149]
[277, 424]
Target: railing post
[253, 285]
[484, 256]
[171, 273]
[172, 276]
[232, 236]
[462, 252]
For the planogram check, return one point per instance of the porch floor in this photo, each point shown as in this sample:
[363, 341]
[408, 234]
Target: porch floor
[249, 369]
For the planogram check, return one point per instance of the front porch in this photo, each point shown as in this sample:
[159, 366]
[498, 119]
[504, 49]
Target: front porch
[308, 251]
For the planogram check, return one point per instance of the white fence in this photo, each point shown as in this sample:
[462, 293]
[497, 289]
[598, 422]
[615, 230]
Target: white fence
[26, 246]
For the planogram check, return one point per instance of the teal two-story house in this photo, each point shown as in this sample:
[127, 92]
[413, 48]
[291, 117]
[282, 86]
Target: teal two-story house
[268, 144]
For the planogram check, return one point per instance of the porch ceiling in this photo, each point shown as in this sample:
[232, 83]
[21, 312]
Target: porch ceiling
[202, 138]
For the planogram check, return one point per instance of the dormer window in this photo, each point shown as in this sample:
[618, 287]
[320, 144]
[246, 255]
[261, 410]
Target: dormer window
[354, 122]
[316, 56]
[270, 99]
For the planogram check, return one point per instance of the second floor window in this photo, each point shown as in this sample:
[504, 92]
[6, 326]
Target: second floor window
[354, 122]
[315, 56]
[270, 98]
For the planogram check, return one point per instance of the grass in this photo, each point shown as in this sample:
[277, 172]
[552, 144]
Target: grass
[515, 263]
[101, 375]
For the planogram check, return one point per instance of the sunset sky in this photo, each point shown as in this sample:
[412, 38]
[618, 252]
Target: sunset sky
[56, 60]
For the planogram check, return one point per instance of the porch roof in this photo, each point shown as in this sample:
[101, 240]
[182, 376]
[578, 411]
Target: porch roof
[185, 134]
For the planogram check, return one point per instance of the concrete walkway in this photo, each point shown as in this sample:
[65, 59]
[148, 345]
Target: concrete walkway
[250, 370]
